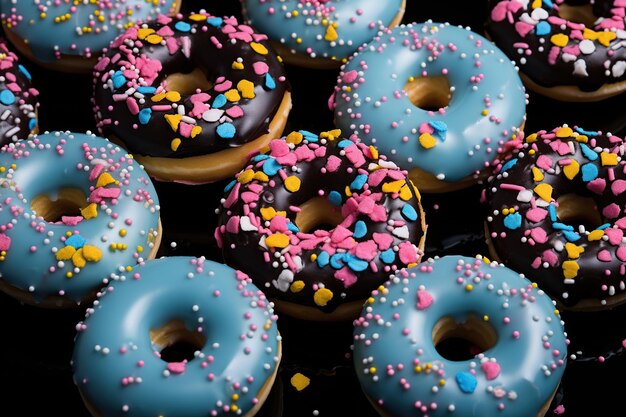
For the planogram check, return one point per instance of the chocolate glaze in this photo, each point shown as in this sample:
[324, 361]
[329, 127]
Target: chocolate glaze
[155, 138]
[541, 261]
[241, 249]
[534, 61]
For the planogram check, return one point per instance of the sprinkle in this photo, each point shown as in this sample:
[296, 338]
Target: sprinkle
[466, 381]
[90, 212]
[335, 198]
[424, 300]
[491, 370]
[513, 221]
[258, 48]
[360, 229]
[570, 269]
[608, 159]
[544, 191]
[269, 81]
[247, 88]
[571, 170]
[322, 296]
[299, 381]
[65, 253]
[226, 131]
[277, 240]
[292, 184]
[7, 97]
[559, 39]
[409, 212]
[175, 143]
[76, 241]
[427, 140]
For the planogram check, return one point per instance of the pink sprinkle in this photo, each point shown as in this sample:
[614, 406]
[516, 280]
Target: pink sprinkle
[366, 250]
[350, 76]
[383, 241]
[604, 256]
[260, 68]
[96, 171]
[597, 186]
[615, 235]
[234, 112]
[407, 253]
[176, 367]
[618, 187]
[611, 211]
[539, 235]
[346, 276]
[333, 163]
[544, 162]
[71, 220]
[491, 370]
[621, 253]
[424, 300]
[536, 214]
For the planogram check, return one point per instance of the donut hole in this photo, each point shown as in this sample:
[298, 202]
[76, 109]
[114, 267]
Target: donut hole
[68, 202]
[188, 83]
[429, 93]
[578, 13]
[318, 214]
[175, 342]
[575, 209]
[461, 341]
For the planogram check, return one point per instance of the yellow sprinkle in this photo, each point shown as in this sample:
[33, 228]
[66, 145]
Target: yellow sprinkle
[158, 97]
[405, 193]
[322, 296]
[295, 13]
[418, 369]
[234, 408]
[571, 170]
[237, 65]
[573, 251]
[69, 274]
[142, 33]
[371, 300]
[505, 211]
[277, 240]
[139, 249]
[559, 40]
[173, 96]
[247, 88]
[564, 132]
[154, 39]
[442, 382]
[570, 269]
[582, 138]
[331, 134]
[372, 370]
[427, 140]
[393, 187]
[484, 112]
[122, 232]
[537, 174]
[92, 253]
[246, 176]
[608, 159]
[531, 138]
[297, 286]
[313, 257]
[261, 176]
[90, 211]
[197, 17]
[65, 253]
[173, 120]
[299, 381]
[534, 285]
[268, 213]
[331, 34]
[605, 38]
[232, 95]
[469, 287]
[195, 131]
[68, 233]
[595, 235]
[235, 397]
[292, 184]
[556, 312]
[105, 179]
[592, 35]
[175, 144]
[544, 191]
[486, 260]
[128, 268]
[374, 152]
[258, 48]
[348, 191]
[78, 259]
[294, 137]
[531, 152]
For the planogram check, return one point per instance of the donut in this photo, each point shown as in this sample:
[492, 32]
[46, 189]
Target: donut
[318, 221]
[119, 362]
[75, 211]
[191, 96]
[439, 100]
[554, 212]
[518, 352]
[321, 33]
[566, 52]
[68, 35]
[19, 101]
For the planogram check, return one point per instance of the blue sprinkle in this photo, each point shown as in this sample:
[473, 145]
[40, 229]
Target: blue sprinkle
[32, 123]
[388, 256]
[345, 143]
[144, 89]
[226, 130]
[441, 128]
[513, 221]
[358, 182]
[335, 198]
[291, 226]
[571, 236]
[360, 229]
[586, 132]
[219, 101]
[311, 137]
[182, 26]
[145, 115]
[76, 241]
[588, 152]
[561, 226]
[467, 382]
[24, 71]
[323, 259]
[604, 226]
[357, 265]
[336, 261]
[7, 97]
[409, 212]
[552, 212]
[590, 172]
[118, 79]
[230, 186]
[260, 157]
[215, 21]
[271, 167]
[269, 81]
[542, 28]
[509, 164]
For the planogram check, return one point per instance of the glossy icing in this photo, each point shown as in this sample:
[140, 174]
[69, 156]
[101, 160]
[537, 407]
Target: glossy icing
[18, 98]
[486, 109]
[115, 229]
[553, 51]
[401, 371]
[134, 103]
[572, 259]
[331, 29]
[380, 231]
[118, 368]
[75, 28]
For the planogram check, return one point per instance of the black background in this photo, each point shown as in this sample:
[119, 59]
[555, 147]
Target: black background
[36, 345]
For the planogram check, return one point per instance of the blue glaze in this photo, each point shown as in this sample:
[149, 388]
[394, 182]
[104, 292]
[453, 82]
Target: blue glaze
[371, 103]
[49, 40]
[529, 354]
[207, 297]
[355, 22]
[32, 262]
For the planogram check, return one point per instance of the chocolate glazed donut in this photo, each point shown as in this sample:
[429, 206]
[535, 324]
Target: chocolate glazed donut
[188, 86]
[272, 220]
[555, 214]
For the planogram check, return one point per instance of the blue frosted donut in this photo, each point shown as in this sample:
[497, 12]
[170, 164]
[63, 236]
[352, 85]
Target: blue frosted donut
[75, 211]
[512, 322]
[117, 362]
[321, 33]
[481, 103]
[49, 31]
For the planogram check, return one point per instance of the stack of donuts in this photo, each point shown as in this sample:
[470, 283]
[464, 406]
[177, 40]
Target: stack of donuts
[321, 207]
